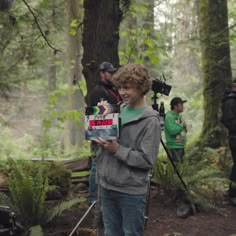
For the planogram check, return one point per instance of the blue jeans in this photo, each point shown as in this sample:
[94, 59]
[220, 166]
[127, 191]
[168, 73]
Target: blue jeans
[93, 181]
[123, 214]
[177, 154]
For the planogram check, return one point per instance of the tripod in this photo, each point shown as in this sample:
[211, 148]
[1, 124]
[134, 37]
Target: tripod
[155, 107]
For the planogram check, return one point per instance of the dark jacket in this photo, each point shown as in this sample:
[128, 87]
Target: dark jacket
[229, 111]
[104, 91]
[127, 170]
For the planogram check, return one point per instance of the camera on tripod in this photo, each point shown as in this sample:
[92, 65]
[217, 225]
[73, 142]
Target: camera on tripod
[160, 86]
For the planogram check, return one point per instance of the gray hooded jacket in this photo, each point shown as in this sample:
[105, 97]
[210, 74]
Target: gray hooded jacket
[127, 170]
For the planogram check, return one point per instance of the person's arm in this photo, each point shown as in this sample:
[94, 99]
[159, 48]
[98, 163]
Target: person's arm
[145, 155]
[173, 127]
[230, 115]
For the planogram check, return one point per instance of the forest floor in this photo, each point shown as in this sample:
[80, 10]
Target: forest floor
[162, 221]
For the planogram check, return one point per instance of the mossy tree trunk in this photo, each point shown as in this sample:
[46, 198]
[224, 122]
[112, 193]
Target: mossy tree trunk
[214, 33]
[100, 37]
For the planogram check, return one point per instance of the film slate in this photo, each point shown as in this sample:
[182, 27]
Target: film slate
[103, 122]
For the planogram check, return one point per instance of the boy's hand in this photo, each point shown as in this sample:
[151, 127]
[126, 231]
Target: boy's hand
[109, 145]
[103, 103]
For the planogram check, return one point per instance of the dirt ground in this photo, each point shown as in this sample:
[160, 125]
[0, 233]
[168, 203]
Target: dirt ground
[162, 221]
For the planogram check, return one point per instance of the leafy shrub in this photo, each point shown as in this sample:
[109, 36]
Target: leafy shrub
[203, 178]
[58, 176]
[28, 190]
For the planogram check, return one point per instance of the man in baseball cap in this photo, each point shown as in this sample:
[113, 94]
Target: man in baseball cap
[175, 134]
[103, 91]
[176, 100]
[175, 129]
[106, 66]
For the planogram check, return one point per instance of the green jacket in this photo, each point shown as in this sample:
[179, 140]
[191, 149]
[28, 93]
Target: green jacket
[175, 131]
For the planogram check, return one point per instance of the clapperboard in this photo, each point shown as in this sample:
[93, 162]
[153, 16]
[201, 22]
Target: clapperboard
[102, 121]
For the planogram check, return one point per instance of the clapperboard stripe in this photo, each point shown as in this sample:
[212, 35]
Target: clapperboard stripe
[101, 110]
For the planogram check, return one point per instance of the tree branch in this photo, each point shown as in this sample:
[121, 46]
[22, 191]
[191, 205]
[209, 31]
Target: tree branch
[40, 29]
[223, 31]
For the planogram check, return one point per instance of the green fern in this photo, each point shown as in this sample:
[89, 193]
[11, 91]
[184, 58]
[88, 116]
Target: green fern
[28, 190]
[57, 210]
[5, 200]
[28, 193]
[201, 178]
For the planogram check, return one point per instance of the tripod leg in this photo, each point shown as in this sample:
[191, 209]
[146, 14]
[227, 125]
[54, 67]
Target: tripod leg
[180, 177]
[147, 201]
[174, 166]
[98, 221]
[82, 218]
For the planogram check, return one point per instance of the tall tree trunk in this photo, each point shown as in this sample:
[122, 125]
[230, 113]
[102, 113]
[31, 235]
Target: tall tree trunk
[216, 66]
[52, 71]
[52, 67]
[73, 133]
[100, 37]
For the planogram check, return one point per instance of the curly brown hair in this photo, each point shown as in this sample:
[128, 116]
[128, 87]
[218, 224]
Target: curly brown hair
[133, 73]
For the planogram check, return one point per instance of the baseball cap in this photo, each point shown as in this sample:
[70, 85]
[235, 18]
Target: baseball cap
[176, 100]
[106, 66]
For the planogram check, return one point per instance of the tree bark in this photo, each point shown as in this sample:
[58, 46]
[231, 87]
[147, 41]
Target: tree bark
[100, 37]
[73, 132]
[52, 72]
[52, 67]
[216, 66]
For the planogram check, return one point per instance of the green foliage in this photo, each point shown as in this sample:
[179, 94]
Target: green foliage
[28, 187]
[204, 180]
[11, 147]
[55, 116]
[5, 200]
[164, 175]
[125, 5]
[59, 176]
[73, 27]
[56, 211]
[28, 193]
[140, 42]
[36, 231]
[46, 145]
[80, 174]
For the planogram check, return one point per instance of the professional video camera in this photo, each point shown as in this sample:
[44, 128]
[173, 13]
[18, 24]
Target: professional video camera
[160, 86]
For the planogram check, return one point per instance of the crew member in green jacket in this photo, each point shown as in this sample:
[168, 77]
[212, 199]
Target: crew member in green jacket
[175, 133]
[175, 129]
